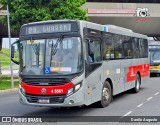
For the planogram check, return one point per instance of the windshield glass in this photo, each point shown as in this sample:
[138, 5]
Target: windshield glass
[155, 56]
[58, 56]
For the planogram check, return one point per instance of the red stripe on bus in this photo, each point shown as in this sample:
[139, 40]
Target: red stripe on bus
[49, 90]
[132, 71]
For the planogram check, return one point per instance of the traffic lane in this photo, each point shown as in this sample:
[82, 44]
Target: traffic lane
[10, 106]
[128, 100]
[122, 104]
[150, 106]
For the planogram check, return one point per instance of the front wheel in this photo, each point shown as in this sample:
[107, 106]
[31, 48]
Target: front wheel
[106, 96]
[137, 84]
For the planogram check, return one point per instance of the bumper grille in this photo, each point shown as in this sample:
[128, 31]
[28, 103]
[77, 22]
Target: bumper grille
[52, 99]
[46, 82]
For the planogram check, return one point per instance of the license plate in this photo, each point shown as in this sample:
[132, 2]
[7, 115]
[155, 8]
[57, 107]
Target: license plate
[43, 100]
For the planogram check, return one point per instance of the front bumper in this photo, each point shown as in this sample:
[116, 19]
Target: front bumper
[78, 98]
[154, 70]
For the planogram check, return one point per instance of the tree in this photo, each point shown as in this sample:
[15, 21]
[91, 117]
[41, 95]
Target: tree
[25, 11]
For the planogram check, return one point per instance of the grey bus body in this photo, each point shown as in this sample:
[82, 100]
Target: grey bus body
[117, 55]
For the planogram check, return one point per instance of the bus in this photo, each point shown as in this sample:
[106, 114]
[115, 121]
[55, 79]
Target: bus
[154, 51]
[65, 63]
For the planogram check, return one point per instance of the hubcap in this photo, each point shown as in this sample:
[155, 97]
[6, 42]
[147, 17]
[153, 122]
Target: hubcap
[106, 94]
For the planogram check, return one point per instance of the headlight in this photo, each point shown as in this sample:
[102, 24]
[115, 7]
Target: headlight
[77, 87]
[20, 86]
[74, 89]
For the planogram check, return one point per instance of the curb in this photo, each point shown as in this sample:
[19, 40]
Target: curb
[9, 90]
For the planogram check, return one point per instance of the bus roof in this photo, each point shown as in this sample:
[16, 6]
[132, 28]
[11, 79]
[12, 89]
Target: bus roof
[105, 28]
[115, 29]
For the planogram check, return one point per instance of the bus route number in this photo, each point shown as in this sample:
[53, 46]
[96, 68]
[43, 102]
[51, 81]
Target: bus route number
[57, 91]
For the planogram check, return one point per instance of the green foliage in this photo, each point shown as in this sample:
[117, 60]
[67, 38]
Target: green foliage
[25, 11]
[5, 57]
[5, 83]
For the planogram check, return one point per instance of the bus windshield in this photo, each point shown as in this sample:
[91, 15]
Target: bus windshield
[58, 56]
[155, 56]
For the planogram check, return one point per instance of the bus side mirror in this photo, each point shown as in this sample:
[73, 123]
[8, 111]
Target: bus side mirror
[14, 53]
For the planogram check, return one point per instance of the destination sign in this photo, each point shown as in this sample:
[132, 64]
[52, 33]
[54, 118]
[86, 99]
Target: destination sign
[48, 28]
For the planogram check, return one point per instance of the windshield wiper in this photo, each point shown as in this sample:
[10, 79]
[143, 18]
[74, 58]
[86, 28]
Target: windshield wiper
[54, 47]
[36, 49]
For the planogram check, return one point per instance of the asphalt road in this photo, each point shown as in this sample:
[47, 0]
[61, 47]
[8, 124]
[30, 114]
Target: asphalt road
[144, 103]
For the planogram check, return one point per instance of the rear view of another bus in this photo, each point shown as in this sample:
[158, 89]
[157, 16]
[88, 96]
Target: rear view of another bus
[154, 50]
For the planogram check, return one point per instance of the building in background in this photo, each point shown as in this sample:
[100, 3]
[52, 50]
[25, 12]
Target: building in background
[141, 16]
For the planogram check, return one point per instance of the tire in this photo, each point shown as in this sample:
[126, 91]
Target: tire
[137, 84]
[106, 96]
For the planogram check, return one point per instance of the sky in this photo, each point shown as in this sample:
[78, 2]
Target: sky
[5, 43]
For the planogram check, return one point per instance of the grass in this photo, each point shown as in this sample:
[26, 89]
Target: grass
[5, 83]
[5, 60]
[5, 57]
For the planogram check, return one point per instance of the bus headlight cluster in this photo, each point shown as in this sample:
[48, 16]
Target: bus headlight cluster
[74, 89]
[22, 89]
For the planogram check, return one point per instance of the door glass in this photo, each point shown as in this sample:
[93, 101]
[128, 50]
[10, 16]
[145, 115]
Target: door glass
[94, 51]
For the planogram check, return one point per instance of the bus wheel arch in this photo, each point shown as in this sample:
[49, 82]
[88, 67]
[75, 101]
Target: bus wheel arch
[106, 95]
[111, 84]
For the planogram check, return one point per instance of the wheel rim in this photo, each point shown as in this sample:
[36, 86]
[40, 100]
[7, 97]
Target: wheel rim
[138, 84]
[106, 94]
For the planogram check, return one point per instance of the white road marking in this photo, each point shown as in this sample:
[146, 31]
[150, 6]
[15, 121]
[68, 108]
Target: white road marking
[149, 98]
[140, 105]
[156, 93]
[128, 113]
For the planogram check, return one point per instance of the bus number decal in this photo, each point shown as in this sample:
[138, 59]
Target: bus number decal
[57, 91]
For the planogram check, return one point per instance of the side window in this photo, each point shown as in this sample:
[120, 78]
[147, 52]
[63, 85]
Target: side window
[145, 43]
[127, 47]
[141, 48]
[118, 46]
[94, 51]
[136, 48]
[108, 46]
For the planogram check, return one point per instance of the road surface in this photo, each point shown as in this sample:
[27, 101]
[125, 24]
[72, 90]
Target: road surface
[144, 103]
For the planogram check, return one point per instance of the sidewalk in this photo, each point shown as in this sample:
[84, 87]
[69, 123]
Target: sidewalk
[8, 72]
[9, 90]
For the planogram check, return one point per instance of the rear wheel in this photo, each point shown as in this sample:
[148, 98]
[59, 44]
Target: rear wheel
[106, 96]
[137, 84]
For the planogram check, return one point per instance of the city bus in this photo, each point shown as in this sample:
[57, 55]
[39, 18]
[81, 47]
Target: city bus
[154, 51]
[66, 63]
